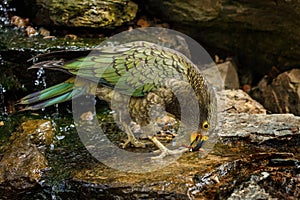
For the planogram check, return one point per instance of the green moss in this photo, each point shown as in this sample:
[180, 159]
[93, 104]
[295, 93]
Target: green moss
[109, 13]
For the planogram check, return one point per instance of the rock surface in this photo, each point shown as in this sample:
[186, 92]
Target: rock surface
[237, 101]
[229, 74]
[246, 133]
[255, 150]
[261, 33]
[223, 75]
[282, 94]
[22, 163]
[99, 13]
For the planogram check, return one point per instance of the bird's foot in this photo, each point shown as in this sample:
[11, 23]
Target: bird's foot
[131, 138]
[133, 141]
[164, 150]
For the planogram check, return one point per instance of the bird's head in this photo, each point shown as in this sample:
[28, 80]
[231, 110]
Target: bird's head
[207, 120]
[199, 137]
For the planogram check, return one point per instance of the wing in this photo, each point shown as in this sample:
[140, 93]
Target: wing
[133, 69]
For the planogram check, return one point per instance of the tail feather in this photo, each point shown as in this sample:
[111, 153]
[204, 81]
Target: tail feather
[59, 99]
[56, 94]
[55, 60]
[50, 64]
[47, 93]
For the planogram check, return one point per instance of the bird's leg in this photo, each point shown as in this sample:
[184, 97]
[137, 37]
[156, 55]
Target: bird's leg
[109, 95]
[131, 138]
[156, 104]
[164, 150]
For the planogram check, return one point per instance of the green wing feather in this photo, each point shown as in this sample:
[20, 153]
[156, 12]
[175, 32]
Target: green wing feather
[132, 69]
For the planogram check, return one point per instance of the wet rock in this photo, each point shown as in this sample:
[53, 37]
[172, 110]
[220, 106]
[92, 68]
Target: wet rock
[30, 31]
[282, 94]
[223, 168]
[143, 23]
[38, 131]
[19, 22]
[44, 32]
[249, 178]
[94, 14]
[251, 146]
[229, 171]
[261, 33]
[236, 122]
[22, 163]
[71, 36]
[251, 189]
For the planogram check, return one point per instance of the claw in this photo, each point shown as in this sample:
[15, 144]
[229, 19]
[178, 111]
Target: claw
[134, 142]
[164, 150]
[131, 139]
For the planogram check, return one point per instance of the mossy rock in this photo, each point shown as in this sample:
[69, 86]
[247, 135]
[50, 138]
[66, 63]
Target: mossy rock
[94, 14]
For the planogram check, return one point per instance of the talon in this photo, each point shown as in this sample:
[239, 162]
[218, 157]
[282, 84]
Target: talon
[131, 138]
[134, 142]
[125, 144]
[164, 150]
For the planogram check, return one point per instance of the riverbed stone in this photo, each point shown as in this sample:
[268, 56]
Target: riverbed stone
[24, 160]
[192, 176]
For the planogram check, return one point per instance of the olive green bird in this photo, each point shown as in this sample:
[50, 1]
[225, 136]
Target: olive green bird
[141, 81]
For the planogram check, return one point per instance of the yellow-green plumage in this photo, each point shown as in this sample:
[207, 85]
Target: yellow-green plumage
[143, 71]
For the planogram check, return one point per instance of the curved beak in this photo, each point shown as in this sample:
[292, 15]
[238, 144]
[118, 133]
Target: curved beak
[197, 140]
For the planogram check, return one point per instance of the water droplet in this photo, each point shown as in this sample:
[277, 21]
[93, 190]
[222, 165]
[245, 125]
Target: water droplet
[4, 13]
[41, 78]
[3, 108]
[60, 137]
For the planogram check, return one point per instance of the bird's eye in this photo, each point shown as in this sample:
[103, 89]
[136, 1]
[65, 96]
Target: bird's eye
[205, 125]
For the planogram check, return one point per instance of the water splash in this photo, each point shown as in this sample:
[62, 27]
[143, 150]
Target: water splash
[3, 109]
[56, 113]
[41, 78]
[4, 13]
[40, 82]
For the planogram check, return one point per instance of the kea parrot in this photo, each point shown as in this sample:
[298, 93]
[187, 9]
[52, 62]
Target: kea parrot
[134, 78]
